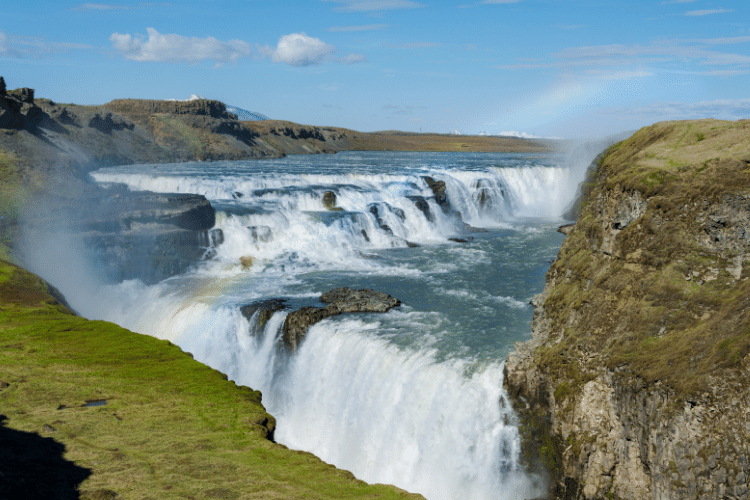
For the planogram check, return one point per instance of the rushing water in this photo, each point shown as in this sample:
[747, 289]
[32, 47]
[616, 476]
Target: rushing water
[412, 397]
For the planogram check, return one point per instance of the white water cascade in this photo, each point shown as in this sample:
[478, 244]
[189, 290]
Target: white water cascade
[412, 397]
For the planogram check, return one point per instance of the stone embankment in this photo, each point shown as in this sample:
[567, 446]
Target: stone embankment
[636, 383]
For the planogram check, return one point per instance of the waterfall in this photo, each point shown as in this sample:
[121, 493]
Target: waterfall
[412, 397]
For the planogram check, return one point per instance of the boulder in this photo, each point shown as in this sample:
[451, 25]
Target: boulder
[262, 310]
[379, 209]
[261, 233]
[329, 200]
[340, 300]
[423, 207]
[438, 189]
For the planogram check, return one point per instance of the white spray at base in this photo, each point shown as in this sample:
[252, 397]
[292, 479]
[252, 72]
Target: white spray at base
[387, 414]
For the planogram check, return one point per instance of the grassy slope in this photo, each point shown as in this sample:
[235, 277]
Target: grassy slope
[639, 309]
[171, 427]
[384, 141]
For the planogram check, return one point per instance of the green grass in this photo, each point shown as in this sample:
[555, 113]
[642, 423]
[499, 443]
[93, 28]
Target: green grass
[171, 427]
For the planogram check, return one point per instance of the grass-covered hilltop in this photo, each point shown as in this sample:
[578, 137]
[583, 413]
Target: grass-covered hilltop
[638, 370]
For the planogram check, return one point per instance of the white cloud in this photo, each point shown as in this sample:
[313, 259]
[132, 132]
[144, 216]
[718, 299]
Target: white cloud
[707, 12]
[298, 49]
[368, 27]
[178, 49]
[374, 5]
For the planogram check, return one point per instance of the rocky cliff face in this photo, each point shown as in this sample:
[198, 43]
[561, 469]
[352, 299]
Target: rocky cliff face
[638, 370]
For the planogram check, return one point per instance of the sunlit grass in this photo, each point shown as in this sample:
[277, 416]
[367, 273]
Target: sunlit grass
[170, 428]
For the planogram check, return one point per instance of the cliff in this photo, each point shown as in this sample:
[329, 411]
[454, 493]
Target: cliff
[637, 373]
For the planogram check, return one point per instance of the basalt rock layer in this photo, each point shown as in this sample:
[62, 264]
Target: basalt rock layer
[638, 372]
[340, 301]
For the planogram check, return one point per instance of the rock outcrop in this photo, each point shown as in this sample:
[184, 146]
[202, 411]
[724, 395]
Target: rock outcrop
[636, 382]
[17, 108]
[438, 190]
[341, 300]
[260, 311]
[144, 235]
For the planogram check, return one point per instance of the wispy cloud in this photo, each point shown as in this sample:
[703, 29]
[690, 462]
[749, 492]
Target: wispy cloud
[657, 55]
[103, 7]
[707, 12]
[19, 46]
[415, 45]
[367, 27]
[724, 109]
[486, 2]
[298, 49]
[374, 5]
[174, 48]
[725, 41]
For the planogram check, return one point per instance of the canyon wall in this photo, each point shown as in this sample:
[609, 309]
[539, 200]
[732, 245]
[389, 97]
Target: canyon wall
[636, 382]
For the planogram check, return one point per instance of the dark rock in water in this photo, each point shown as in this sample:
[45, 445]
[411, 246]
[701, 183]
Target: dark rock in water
[379, 209]
[261, 233]
[458, 240]
[329, 200]
[438, 189]
[411, 245]
[262, 310]
[341, 300]
[364, 235]
[483, 194]
[423, 207]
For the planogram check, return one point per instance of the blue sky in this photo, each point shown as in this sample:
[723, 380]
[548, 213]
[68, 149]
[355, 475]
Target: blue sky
[539, 67]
